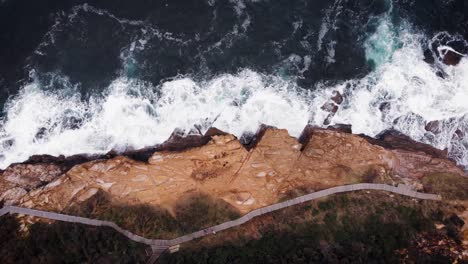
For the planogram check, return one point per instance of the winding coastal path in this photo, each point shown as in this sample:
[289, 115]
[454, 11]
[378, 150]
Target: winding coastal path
[160, 245]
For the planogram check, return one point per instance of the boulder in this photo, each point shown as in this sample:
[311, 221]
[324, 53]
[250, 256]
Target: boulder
[434, 127]
[337, 97]
[428, 57]
[451, 58]
[385, 107]
[330, 107]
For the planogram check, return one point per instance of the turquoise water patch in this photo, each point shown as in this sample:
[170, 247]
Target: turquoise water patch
[381, 45]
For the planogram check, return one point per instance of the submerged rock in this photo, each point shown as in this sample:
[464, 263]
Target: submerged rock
[428, 57]
[330, 107]
[434, 127]
[337, 97]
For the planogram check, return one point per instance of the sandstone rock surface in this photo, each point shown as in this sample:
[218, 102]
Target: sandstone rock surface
[224, 168]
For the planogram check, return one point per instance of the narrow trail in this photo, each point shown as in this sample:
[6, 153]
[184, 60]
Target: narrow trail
[160, 245]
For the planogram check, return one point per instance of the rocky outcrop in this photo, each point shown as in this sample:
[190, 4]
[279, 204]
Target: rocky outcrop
[452, 58]
[245, 178]
[18, 179]
[332, 106]
[31, 176]
[392, 139]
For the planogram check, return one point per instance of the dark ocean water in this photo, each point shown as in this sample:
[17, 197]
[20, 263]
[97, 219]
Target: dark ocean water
[91, 76]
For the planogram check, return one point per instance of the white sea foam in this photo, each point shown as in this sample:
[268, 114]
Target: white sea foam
[412, 94]
[403, 92]
[132, 116]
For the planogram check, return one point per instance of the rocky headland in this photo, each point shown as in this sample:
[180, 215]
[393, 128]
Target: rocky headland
[237, 177]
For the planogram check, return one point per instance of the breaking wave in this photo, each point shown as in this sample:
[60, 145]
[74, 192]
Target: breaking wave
[407, 92]
[427, 101]
[134, 114]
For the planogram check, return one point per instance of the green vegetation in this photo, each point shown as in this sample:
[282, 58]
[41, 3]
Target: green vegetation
[198, 211]
[65, 243]
[344, 228]
[368, 174]
[144, 220]
[74, 243]
[193, 212]
[450, 186]
[375, 175]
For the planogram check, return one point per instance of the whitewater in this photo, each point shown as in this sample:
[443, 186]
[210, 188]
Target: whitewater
[403, 92]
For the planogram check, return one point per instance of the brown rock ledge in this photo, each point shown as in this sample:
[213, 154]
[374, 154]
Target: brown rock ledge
[275, 166]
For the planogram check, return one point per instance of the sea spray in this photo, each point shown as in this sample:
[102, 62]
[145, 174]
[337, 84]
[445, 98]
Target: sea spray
[130, 116]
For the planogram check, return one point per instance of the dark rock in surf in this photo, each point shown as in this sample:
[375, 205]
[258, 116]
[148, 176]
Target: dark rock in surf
[327, 120]
[441, 74]
[385, 107]
[344, 128]
[459, 133]
[72, 122]
[428, 57]
[337, 97]
[250, 140]
[392, 139]
[41, 133]
[434, 127]
[451, 58]
[8, 143]
[330, 107]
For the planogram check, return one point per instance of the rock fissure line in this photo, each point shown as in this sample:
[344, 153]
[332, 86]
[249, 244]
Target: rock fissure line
[249, 154]
[159, 245]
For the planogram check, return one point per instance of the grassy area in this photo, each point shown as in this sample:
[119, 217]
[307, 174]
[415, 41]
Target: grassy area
[450, 186]
[198, 211]
[193, 212]
[355, 227]
[65, 243]
[296, 192]
[368, 174]
[144, 220]
[74, 243]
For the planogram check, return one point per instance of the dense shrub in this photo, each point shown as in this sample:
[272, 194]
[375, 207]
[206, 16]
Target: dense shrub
[193, 212]
[450, 186]
[65, 243]
[144, 220]
[198, 211]
[345, 228]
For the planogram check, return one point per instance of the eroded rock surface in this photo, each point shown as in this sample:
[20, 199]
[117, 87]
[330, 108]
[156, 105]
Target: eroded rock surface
[18, 179]
[31, 175]
[246, 179]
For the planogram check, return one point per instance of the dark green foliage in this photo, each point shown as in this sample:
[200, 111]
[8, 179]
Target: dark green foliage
[341, 229]
[193, 213]
[315, 212]
[65, 243]
[450, 186]
[199, 211]
[144, 220]
[74, 243]
[293, 193]
[325, 205]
